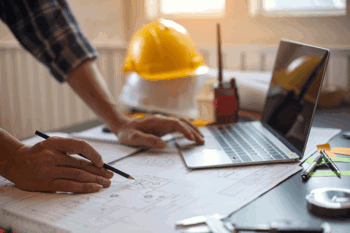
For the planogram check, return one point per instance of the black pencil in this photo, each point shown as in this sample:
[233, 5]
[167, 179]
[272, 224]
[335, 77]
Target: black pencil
[104, 165]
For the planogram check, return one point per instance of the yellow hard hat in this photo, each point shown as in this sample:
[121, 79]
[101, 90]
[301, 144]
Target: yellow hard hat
[163, 50]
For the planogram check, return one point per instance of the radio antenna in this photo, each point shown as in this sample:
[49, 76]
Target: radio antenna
[218, 35]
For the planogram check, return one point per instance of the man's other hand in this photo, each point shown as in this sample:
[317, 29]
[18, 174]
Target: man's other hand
[147, 131]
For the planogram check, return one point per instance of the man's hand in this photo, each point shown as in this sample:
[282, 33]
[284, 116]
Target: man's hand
[47, 166]
[148, 130]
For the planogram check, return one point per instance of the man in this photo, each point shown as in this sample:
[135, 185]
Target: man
[48, 30]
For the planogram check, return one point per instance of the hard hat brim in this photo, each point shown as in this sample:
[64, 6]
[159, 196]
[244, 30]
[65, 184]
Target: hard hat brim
[201, 70]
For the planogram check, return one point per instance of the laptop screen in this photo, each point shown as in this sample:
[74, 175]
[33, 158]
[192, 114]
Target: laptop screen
[293, 93]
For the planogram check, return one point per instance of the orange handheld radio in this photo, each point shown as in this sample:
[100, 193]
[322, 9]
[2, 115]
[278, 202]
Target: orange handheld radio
[226, 96]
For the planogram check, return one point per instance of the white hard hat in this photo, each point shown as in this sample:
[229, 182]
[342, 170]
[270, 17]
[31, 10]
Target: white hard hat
[174, 96]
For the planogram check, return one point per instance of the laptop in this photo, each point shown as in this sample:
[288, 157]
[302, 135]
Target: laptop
[282, 132]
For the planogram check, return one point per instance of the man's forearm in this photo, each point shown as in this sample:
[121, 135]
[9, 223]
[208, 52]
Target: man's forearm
[8, 146]
[88, 83]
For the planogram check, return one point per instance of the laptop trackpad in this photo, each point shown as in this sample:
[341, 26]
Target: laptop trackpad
[207, 155]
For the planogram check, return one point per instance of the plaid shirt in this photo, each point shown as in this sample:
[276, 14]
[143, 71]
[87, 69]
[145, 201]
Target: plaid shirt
[48, 30]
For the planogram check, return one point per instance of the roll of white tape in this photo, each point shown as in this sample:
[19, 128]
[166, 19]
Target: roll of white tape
[332, 202]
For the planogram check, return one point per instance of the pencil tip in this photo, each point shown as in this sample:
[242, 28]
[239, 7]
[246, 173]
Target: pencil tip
[131, 178]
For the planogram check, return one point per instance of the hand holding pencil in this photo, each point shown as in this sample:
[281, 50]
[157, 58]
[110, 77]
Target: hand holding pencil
[47, 167]
[104, 165]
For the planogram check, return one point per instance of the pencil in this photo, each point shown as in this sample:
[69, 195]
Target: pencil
[104, 165]
[330, 163]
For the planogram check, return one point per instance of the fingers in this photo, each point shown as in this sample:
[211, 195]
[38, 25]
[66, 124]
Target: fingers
[199, 137]
[185, 127]
[145, 131]
[84, 165]
[192, 126]
[73, 186]
[137, 138]
[74, 146]
[80, 176]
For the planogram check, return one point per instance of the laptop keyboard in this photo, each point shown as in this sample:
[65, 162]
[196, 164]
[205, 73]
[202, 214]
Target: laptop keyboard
[244, 143]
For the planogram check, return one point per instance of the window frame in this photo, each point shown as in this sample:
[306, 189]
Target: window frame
[153, 11]
[256, 8]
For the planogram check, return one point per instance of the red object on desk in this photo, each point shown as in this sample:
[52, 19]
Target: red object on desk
[4, 231]
[226, 103]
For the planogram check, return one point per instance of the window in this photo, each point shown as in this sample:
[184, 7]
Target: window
[298, 7]
[185, 8]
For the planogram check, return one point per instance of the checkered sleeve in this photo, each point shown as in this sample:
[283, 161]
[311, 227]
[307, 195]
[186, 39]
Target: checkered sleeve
[48, 30]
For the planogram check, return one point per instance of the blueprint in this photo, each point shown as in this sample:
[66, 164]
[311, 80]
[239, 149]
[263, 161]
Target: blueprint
[163, 192]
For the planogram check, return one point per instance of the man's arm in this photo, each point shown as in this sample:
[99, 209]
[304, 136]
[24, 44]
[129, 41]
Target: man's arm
[89, 84]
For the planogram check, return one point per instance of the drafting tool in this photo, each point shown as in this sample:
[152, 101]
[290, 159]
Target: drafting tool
[333, 202]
